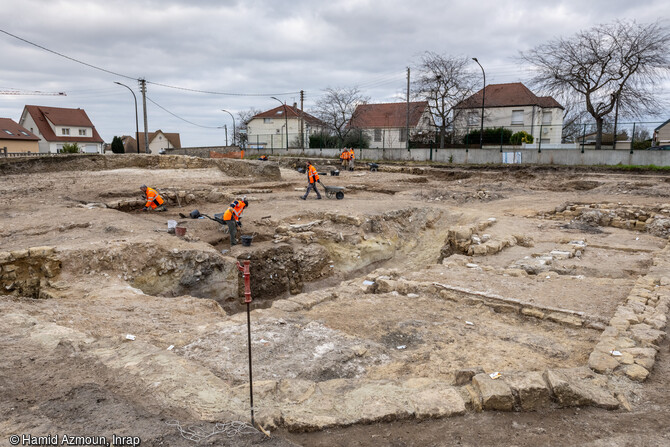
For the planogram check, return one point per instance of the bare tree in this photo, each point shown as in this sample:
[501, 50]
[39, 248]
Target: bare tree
[604, 65]
[337, 108]
[443, 81]
[244, 116]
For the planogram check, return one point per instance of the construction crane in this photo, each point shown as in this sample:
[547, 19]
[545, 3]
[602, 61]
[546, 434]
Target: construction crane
[20, 92]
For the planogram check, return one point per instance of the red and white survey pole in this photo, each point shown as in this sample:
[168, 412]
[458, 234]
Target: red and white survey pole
[246, 272]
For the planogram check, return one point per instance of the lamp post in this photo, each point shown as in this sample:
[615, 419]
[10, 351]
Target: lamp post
[285, 116]
[231, 115]
[137, 126]
[481, 132]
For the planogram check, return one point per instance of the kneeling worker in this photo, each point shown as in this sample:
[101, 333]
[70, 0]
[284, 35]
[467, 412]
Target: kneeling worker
[154, 200]
[232, 218]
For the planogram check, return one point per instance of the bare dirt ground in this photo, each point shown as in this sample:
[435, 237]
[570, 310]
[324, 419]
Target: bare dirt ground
[371, 314]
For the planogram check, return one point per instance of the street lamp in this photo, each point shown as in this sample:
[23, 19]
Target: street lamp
[231, 115]
[137, 126]
[285, 116]
[481, 132]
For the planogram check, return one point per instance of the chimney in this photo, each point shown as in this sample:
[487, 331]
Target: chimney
[295, 106]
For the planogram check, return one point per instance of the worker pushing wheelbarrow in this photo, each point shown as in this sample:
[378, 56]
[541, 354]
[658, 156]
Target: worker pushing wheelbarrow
[313, 178]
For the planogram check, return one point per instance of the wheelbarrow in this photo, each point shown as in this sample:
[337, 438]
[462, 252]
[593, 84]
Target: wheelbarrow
[195, 214]
[334, 191]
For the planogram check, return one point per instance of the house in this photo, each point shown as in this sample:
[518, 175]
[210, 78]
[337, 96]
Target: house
[662, 134]
[622, 140]
[386, 124]
[268, 129]
[159, 142]
[514, 107]
[57, 126]
[16, 138]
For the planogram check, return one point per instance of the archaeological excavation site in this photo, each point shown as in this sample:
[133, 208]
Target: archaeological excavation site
[427, 305]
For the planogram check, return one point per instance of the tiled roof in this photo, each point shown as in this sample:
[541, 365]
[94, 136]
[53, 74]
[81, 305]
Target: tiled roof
[507, 95]
[62, 117]
[11, 130]
[393, 114]
[173, 138]
[291, 113]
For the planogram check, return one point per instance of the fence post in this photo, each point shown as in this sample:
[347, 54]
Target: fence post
[501, 138]
[539, 142]
[583, 137]
[467, 141]
[632, 139]
[4, 150]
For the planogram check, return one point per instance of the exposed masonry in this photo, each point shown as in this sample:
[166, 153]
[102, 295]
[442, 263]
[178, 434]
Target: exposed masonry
[655, 220]
[28, 272]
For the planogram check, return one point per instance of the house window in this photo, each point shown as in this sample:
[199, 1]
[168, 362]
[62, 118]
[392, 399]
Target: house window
[546, 117]
[403, 134]
[25, 133]
[378, 134]
[82, 132]
[473, 118]
[8, 132]
[545, 140]
[517, 117]
[267, 120]
[65, 131]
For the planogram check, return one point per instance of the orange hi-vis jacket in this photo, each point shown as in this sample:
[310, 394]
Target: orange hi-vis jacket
[312, 175]
[351, 154]
[345, 155]
[153, 199]
[239, 207]
[234, 212]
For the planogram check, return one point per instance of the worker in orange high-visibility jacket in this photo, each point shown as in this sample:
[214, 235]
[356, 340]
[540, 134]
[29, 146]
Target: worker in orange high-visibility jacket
[313, 177]
[154, 200]
[344, 156]
[232, 218]
[351, 158]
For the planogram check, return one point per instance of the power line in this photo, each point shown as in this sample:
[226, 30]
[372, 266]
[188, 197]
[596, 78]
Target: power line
[179, 117]
[136, 79]
[64, 56]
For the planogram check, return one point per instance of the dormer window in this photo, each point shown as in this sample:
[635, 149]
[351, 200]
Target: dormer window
[82, 132]
[65, 131]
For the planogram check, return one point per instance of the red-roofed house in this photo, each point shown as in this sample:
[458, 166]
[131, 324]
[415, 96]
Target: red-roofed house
[56, 126]
[16, 138]
[268, 129]
[386, 124]
[159, 141]
[514, 107]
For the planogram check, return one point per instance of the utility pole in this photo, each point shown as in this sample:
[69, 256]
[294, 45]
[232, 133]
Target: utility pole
[407, 122]
[302, 120]
[143, 89]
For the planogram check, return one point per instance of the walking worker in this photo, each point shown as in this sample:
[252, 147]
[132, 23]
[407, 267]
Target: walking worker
[344, 156]
[232, 218]
[351, 158]
[313, 177]
[154, 200]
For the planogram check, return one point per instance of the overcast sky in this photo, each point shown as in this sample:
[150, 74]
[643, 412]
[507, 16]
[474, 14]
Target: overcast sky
[256, 49]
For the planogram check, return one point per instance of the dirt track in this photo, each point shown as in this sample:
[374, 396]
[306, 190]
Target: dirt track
[418, 274]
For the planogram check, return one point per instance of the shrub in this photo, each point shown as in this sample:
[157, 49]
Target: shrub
[117, 145]
[497, 135]
[70, 148]
[521, 137]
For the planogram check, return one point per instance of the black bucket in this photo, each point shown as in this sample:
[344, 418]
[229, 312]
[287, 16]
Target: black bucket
[246, 240]
[194, 214]
[335, 173]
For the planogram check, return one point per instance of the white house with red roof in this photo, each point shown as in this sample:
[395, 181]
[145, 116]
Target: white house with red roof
[268, 129]
[386, 124]
[57, 126]
[512, 106]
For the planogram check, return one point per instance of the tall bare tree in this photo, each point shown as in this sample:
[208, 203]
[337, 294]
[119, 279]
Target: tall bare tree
[244, 116]
[443, 81]
[604, 65]
[337, 107]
